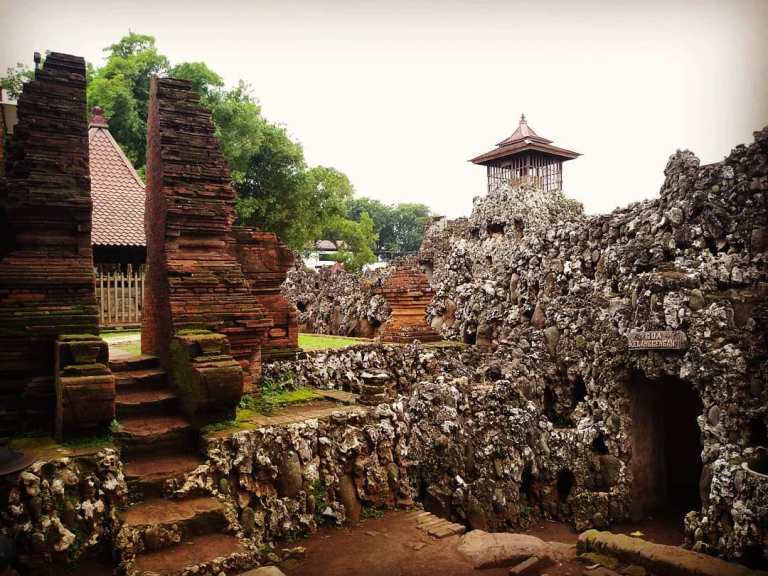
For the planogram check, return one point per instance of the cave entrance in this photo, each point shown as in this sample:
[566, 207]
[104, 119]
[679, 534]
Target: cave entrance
[666, 446]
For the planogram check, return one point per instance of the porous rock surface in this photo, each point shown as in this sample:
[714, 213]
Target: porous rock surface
[337, 302]
[60, 509]
[529, 271]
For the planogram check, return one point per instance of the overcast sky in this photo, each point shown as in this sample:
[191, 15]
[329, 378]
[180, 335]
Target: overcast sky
[399, 95]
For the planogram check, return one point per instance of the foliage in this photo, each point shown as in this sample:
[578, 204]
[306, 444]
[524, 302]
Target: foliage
[121, 88]
[277, 191]
[15, 78]
[371, 512]
[400, 227]
[271, 399]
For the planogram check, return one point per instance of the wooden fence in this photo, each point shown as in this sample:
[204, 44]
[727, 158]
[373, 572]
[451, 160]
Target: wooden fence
[119, 295]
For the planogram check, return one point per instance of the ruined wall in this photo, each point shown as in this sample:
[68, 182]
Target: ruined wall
[532, 270]
[341, 368]
[46, 263]
[408, 293]
[265, 262]
[59, 511]
[193, 279]
[337, 302]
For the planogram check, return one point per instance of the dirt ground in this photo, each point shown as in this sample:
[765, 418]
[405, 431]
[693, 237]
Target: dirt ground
[393, 546]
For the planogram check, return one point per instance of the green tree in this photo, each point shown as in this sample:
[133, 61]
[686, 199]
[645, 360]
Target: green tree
[399, 227]
[121, 88]
[15, 78]
[359, 238]
[277, 191]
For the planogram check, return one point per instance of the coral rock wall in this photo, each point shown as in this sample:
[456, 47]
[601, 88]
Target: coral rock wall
[337, 302]
[193, 278]
[265, 262]
[46, 263]
[60, 510]
[528, 270]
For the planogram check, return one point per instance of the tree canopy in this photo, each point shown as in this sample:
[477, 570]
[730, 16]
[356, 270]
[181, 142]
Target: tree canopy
[277, 190]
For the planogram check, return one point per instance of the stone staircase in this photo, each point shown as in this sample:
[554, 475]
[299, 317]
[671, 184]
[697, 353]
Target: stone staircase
[159, 447]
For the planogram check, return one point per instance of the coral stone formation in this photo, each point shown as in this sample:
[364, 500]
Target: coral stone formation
[46, 263]
[265, 262]
[193, 280]
[408, 293]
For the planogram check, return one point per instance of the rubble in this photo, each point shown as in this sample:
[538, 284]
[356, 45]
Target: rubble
[61, 509]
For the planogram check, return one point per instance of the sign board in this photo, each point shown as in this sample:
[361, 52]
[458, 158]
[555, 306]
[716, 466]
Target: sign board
[659, 340]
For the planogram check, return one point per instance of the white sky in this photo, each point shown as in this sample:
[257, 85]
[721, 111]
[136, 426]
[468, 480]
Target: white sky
[399, 95]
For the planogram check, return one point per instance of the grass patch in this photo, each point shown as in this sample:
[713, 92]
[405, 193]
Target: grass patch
[45, 447]
[265, 404]
[110, 335]
[270, 399]
[133, 348]
[309, 342]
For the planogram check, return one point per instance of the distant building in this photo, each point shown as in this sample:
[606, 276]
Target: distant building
[526, 158]
[323, 254]
[118, 202]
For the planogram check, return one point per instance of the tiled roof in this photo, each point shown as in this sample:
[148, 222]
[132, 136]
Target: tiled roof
[522, 140]
[117, 191]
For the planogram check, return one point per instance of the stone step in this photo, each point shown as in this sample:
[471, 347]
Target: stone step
[659, 558]
[436, 526]
[189, 518]
[147, 475]
[134, 401]
[143, 378]
[202, 550]
[155, 435]
[142, 362]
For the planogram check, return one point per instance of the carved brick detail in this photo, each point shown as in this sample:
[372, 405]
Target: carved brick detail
[193, 278]
[408, 293]
[46, 263]
[266, 261]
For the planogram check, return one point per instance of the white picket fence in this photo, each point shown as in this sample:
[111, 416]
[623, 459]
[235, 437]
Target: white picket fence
[119, 295]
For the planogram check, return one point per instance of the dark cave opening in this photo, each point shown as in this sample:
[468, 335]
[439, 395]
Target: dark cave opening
[666, 445]
[598, 445]
[579, 391]
[565, 482]
[758, 436]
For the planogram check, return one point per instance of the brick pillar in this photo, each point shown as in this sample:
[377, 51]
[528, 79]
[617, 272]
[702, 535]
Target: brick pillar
[193, 279]
[46, 263]
[266, 261]
[408, 293]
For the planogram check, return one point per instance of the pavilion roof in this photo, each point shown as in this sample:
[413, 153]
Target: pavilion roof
[117, 190]
[524, 139]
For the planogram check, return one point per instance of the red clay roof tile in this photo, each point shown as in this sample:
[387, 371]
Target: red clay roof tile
[117, 191]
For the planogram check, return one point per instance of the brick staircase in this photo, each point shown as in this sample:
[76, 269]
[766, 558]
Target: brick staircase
[159, 446]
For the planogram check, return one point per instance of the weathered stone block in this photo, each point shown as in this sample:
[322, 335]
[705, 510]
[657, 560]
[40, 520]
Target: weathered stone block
[208, 379]
[85, 387]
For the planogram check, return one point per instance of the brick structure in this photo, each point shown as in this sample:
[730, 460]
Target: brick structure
[408, 293]
[193, 279]
[46, 264]
[266, 261]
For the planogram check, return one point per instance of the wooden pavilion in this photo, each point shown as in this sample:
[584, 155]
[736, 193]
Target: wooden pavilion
[525, 158]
